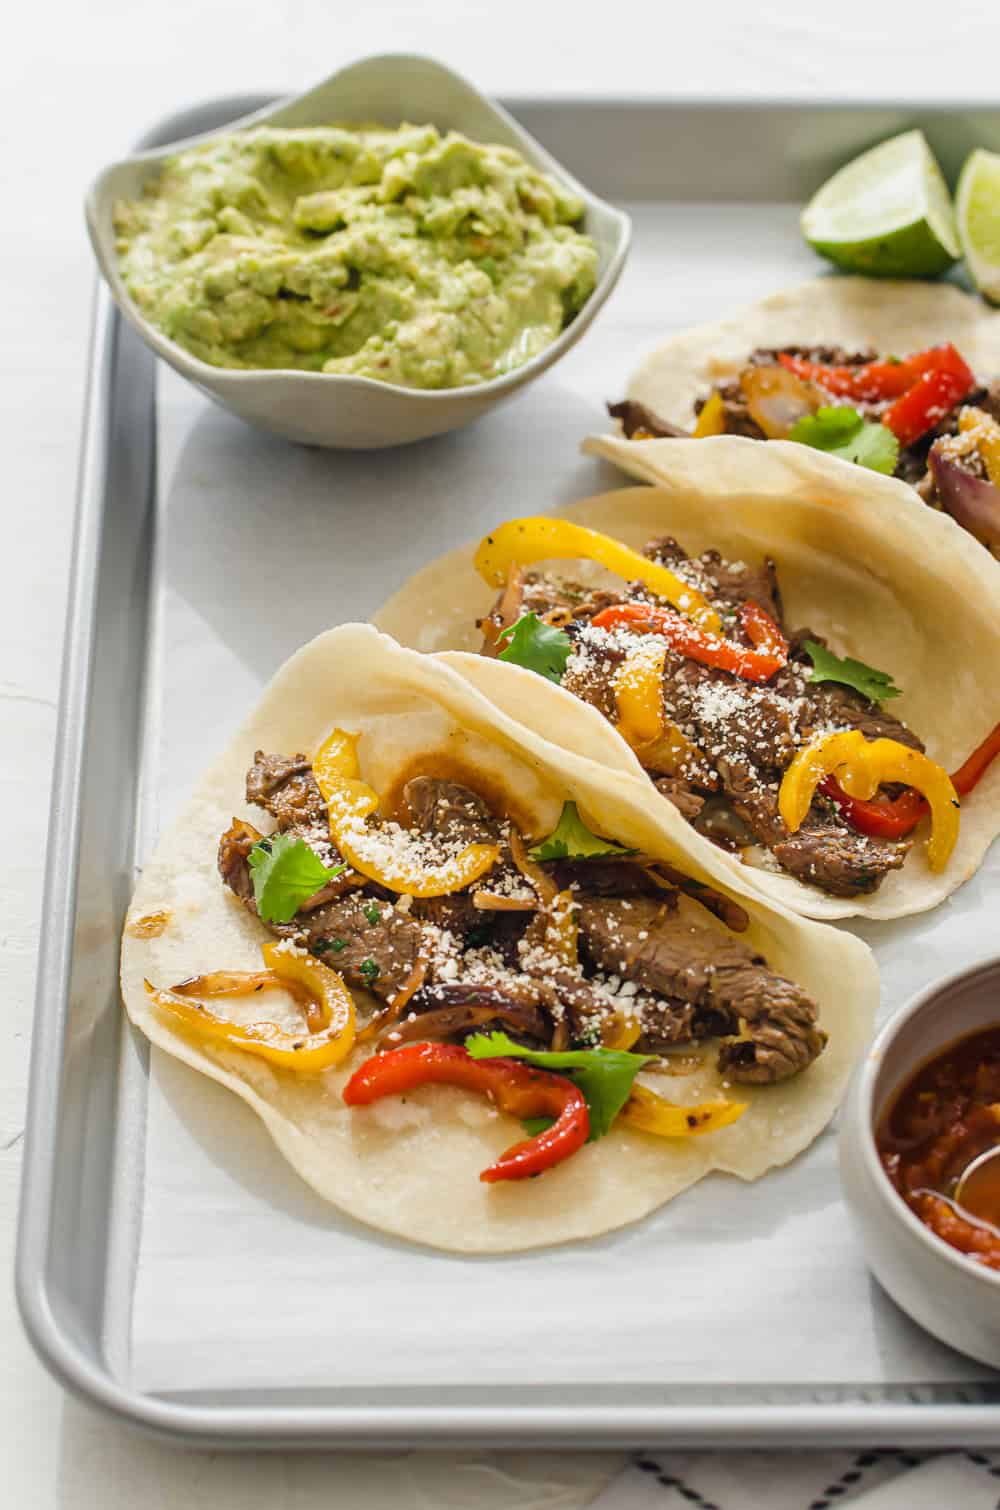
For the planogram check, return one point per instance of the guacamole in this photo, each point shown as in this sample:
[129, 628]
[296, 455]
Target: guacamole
[399, 254]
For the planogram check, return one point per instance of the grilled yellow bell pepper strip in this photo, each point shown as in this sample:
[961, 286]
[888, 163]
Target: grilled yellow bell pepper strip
[520, 542]
[350, 802]
[304, 1053]
[861, 766]
[987, 434]
[622, 1032]
[638, 689]
[712, 419]
[650, 1113]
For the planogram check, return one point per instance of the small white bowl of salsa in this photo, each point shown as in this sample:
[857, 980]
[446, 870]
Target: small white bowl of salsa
[918, 1117]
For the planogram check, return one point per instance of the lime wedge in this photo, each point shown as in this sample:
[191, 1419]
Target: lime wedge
[977, 205]
[887, 214]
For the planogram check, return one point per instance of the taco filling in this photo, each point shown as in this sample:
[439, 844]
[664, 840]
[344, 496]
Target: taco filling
[567, 943]
[544, 975]
[925, 418]
[433, 946]
[766, 740]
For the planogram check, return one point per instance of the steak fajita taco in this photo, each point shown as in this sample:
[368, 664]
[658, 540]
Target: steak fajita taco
[900, 378]
[480, 992]
[797, 655]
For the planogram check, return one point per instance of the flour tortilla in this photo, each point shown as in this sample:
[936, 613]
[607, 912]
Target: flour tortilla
[891, 317]
[860, 561]
[412, 1168]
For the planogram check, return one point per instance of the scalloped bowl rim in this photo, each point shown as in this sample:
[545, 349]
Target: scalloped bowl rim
[208, 373]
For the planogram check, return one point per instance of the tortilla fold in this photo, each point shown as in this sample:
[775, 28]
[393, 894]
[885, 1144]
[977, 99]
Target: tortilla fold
[861, 561]
[411, 1167]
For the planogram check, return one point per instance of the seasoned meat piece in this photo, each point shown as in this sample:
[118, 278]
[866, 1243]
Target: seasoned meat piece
[591, 678]
[843, 863]
[733, 720]
[454, 913]
[724, 582]
[533, 592]
[778, 1023]
[634, 416]
[831, 703]
[688, 802]
[665, 953]
[742, 582]
[828, 356]
[450, 811]
[285, 787]
[365, 940]
[603, 878]
[666, 1023]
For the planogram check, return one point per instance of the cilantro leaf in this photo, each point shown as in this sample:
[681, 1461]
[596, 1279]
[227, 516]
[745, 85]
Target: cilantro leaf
[537, 647]
[604, 1076]
[285, 872]
[877, 686]
[571, 839]
[842, 431]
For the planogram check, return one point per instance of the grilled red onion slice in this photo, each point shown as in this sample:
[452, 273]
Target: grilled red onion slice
[971, 501]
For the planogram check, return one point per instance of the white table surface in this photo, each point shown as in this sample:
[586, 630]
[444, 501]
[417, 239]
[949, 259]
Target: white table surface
[80, 81]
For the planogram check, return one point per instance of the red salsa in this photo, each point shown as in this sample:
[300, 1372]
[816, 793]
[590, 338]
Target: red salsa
[946, 1116]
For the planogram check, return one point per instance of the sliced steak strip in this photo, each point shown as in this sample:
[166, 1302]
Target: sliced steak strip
[685, 799]
[726, 583]
[451, 812]
[841, 862]
[731, 988]
[827, 356]
[365, 940]
[455, 913]
[286, 788]
[633, 417]
[603, 878]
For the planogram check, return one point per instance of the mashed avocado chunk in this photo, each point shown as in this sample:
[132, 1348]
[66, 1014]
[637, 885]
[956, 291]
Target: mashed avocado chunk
[400, 254]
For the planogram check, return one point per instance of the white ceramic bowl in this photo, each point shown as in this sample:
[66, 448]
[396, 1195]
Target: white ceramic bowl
[330, 409]
[954, 1298]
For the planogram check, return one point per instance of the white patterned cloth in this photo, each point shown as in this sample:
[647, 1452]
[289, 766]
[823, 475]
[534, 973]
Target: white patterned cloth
[885, 1480]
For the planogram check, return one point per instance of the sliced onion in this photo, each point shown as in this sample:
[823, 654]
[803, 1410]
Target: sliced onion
[971, 501]
[777, 399]
[488, 901]
[543, 883]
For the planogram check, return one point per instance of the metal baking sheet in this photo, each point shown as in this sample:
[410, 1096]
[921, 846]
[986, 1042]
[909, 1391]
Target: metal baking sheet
[205, 554]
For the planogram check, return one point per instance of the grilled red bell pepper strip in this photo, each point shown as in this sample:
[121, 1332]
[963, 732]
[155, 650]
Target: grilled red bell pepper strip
[518, 1089]
[894, 818]
[971, 771]
[882, 817]
[929, 400]
[873, 382]
[757, 665]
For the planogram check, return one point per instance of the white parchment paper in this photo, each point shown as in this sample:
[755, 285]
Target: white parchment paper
[244, 1278]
